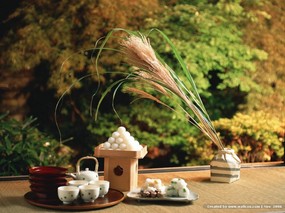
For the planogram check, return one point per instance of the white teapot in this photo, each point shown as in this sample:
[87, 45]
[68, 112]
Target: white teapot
[86, 174]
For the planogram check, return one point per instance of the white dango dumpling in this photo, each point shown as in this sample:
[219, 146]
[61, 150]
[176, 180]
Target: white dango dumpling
[178, 183]
[136, 148]
[131, 146]
[123, 146]
[135, 144]
[125, 137]
[127, 134]
[107, 145]
[114, 146]
[148, 181]
[171, 192]
[174, 182]
[181, 183]
[111, 140]
[121, 129]
[115, 134]
[119, 140]
[183, 192]
[156, 183]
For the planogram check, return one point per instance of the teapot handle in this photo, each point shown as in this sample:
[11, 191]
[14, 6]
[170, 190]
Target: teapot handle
[87, 157]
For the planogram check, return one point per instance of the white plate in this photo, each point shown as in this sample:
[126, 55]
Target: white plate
[135, 194]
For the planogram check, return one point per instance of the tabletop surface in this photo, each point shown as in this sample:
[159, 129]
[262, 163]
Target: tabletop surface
[260, 189]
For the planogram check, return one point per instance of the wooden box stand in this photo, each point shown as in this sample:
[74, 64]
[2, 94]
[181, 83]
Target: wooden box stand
[121, 167]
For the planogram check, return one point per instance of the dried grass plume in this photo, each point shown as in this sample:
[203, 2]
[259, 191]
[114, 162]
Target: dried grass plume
[150, 71]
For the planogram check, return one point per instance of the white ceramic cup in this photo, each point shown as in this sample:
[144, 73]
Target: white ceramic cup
[77, 182]
[103, 184]
[67, 194]
[89, 193]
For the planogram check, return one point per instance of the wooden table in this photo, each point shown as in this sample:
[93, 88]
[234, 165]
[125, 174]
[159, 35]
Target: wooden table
[260, 189]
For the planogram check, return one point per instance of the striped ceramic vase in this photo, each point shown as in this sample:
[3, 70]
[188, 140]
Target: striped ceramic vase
[225, 167]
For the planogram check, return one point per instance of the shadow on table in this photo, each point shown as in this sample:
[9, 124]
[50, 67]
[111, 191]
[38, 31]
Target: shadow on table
[201, 179]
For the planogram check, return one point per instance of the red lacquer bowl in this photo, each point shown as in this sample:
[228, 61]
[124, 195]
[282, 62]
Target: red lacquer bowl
[48, 184]
[44, 190]
[47, 171]
[47, 180]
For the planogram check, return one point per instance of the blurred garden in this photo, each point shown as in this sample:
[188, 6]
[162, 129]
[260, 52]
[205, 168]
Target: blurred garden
[51, 79]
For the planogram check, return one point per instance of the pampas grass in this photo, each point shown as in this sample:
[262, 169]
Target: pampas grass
[152, 72]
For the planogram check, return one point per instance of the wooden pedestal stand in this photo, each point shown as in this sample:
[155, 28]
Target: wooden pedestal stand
[121, 167]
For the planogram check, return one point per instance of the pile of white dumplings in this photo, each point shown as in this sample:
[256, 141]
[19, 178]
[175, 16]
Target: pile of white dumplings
[122, 140]
[152, 188]
[177, 188]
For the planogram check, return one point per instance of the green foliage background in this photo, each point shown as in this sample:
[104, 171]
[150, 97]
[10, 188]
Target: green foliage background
[23, 145]
[236, 69]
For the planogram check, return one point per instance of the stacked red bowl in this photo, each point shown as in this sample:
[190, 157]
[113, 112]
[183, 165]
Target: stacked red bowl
[45, 180]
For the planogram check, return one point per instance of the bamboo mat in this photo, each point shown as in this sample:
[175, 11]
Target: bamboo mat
[258, 190]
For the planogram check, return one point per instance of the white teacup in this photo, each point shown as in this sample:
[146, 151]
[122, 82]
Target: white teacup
[67, 194]
[77, 182]
[89, 193]
[103, 184]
